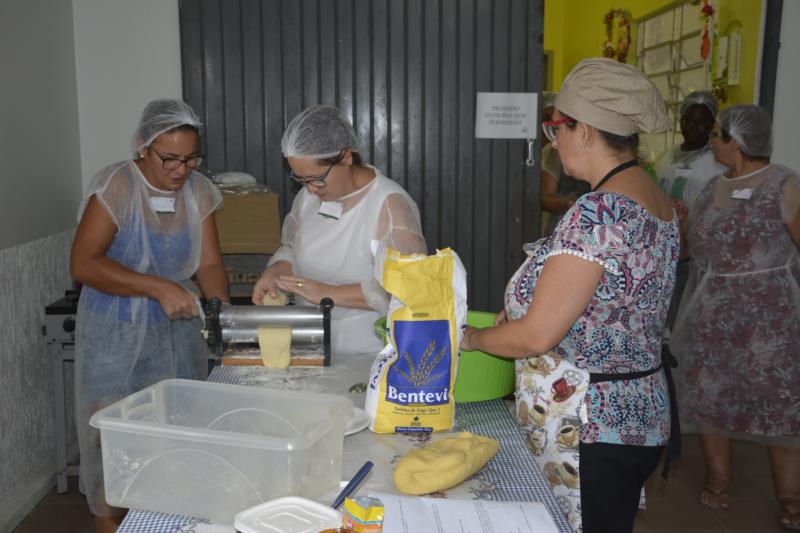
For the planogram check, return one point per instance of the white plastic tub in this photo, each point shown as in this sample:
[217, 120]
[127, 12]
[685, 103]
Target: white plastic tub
[287, 515]
[211, 450]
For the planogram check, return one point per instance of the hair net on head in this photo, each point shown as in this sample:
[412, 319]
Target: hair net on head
[702, 98]
[751, 126]
[163, 115]
[548, 99]
[318, 132]
[613, 97]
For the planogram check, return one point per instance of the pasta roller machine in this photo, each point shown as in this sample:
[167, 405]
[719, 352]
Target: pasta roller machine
[231, 331]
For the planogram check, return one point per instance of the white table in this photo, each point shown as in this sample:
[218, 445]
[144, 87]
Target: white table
[511, 476]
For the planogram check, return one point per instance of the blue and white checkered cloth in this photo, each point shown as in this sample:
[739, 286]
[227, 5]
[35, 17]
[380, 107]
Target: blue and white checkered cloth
[512, 474]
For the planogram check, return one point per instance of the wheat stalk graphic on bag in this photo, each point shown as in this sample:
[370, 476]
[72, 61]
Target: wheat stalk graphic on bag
[420, 375]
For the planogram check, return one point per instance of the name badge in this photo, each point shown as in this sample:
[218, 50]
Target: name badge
[331, 209]
[742, 194]
[162, 204]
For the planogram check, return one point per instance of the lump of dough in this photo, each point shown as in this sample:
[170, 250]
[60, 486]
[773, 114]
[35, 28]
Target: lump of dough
[275, 342]
[279, 300]
[443, 464]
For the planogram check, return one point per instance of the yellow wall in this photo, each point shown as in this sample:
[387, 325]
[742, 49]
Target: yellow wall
[574, 30]
[748, 12]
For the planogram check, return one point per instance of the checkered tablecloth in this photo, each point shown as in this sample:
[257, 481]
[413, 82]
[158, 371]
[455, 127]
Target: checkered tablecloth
[511, 476]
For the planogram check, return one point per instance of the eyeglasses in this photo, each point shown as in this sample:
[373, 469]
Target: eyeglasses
[315, 181]
[173, 163]
[719, 134]
[550, 127]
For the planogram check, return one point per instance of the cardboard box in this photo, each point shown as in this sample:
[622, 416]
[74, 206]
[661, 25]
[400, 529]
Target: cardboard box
[249, 223]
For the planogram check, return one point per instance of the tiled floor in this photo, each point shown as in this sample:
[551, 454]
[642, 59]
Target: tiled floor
[671, 506]
[60, 513]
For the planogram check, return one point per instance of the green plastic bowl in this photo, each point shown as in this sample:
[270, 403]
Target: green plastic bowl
[480, 376]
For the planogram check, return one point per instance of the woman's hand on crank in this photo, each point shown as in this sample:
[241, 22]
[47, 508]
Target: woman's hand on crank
[176, 301]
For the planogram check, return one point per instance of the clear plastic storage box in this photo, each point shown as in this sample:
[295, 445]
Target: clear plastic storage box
[211, 450]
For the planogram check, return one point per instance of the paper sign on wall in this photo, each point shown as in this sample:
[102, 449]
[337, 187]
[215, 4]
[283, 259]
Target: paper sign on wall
[506, 116]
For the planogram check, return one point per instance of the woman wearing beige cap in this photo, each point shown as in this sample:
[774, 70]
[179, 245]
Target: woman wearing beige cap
[588, 345]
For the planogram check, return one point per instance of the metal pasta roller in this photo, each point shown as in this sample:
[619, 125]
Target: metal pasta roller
[231, 331]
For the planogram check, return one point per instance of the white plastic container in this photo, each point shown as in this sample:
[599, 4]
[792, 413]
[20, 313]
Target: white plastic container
[211, 450]
[287, 515]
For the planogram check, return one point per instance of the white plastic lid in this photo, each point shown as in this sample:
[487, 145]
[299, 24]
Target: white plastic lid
[287, 515]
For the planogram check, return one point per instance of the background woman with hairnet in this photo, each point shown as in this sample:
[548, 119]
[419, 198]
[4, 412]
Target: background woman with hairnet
[146, 228]
[738, 325]
[344, 205]
[683, 170]
[592, 299]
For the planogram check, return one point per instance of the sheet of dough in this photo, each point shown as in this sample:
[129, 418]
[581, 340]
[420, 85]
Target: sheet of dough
[275, 342]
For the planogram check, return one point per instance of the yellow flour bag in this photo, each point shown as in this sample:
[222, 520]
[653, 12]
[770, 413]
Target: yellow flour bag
[411, 382]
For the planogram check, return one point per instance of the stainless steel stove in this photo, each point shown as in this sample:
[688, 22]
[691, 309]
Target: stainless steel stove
[59, 330]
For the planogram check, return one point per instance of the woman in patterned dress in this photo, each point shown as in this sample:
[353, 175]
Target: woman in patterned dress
[738, 327]
[595, 294]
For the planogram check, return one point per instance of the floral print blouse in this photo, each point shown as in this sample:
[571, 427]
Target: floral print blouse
[620, 330]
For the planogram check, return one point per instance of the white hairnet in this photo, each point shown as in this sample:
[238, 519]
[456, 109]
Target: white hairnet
[751, 126]
[702, 98]
[318, 132]
[548, 99]
[160, 116]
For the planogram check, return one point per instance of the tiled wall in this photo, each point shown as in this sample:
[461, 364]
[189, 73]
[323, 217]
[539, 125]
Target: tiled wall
[32, 275]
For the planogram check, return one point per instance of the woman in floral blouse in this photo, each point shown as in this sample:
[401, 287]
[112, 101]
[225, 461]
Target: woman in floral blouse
[584, 314]
[738, 326]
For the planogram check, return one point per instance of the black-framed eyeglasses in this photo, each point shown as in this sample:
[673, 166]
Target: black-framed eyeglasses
[316, 181]
[173, 163]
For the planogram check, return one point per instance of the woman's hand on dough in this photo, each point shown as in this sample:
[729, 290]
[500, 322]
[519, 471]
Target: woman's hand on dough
[267, 284]
[308, 289]
[176, 301]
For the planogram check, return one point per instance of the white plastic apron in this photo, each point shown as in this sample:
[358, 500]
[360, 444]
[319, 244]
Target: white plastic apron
[337, 251]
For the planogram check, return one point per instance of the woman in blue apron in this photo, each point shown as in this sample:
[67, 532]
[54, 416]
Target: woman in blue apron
[584, 314]
[146, 229]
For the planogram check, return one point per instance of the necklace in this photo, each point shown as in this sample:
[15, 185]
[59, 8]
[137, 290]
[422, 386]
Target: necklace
[614, 171]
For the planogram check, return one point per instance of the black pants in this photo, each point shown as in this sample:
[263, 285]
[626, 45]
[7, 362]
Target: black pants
[612, 476]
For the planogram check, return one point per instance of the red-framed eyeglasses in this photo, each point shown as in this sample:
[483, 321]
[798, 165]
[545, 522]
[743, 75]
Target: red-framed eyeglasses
[550, 127]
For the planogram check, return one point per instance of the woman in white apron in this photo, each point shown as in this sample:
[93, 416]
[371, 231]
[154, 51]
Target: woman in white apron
[585, 312]
[737, 331]
[327, 238]
[146, 228]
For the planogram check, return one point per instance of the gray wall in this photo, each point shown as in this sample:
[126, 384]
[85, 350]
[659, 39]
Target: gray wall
[39, 150]
[126, 54]
[32, 275]
[39, 139]
[74, 77]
